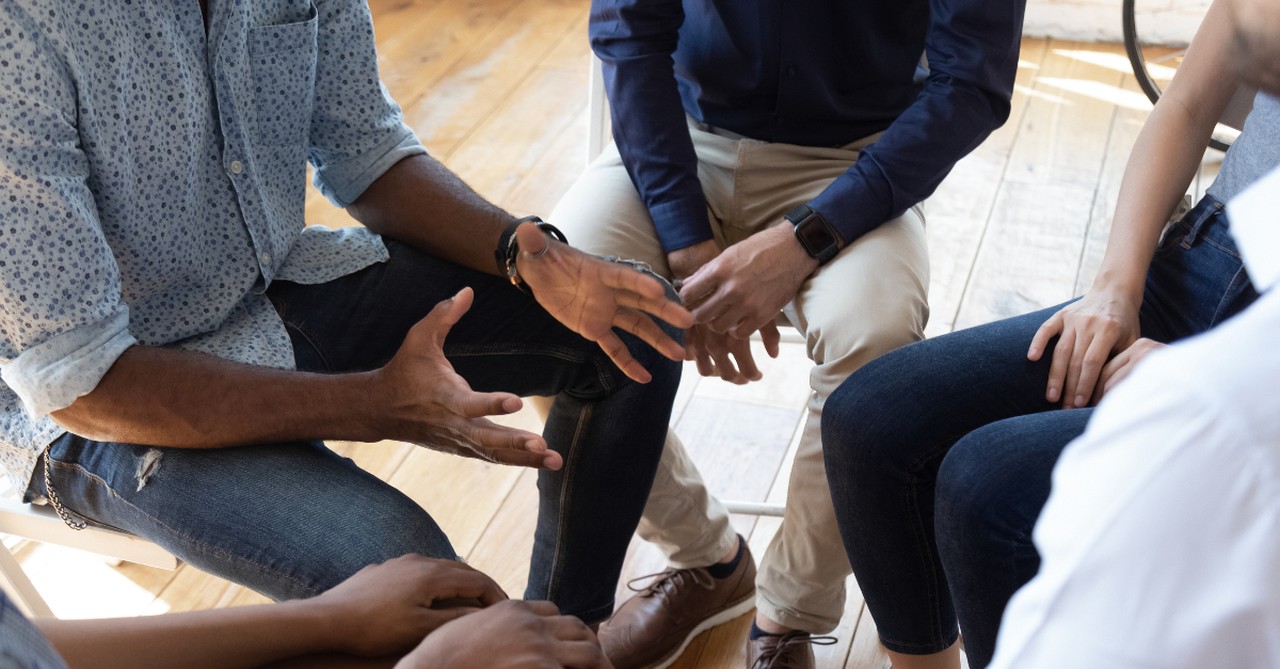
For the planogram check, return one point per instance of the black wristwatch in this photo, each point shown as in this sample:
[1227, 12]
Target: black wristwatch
[819, 239]
[508, 248]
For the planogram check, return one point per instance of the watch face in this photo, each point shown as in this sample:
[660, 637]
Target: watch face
[816, 238]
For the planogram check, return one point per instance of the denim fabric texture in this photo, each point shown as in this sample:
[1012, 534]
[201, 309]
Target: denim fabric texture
[294, 519]
[939, 454]
[22, 646]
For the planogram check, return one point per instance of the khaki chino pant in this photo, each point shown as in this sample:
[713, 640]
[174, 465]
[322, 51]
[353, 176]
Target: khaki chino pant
[867, 301]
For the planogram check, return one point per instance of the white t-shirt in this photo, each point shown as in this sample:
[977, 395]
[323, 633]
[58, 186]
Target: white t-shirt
[1160, 542]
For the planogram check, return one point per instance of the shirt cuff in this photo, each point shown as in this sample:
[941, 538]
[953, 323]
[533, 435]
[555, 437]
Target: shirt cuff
[343, 183]
[53, 374]
[681, 223]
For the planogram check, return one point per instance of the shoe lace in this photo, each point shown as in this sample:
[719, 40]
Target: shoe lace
[670, 580]
[774, 651]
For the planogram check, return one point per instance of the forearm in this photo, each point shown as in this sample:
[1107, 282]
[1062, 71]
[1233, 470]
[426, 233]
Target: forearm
[1165, 158]
[166, 397]
[635, 42]
[250, 636]
[420, 202]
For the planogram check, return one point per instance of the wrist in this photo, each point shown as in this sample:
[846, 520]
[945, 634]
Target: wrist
[796, 255]
[1120, 286]
[686, 261]
[364, 406]
[507, 251]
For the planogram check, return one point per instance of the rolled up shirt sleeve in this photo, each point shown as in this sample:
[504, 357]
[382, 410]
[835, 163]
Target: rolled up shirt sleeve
[357, 130]
[63, 322]
[52, 375]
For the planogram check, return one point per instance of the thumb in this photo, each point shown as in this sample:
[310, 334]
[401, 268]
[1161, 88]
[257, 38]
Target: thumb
[533, 242]
[436, 324]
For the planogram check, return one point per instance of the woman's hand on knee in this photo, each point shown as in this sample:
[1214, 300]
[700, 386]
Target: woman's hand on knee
[1089, 331]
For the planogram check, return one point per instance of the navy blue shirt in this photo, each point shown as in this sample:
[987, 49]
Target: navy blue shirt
[809, 72]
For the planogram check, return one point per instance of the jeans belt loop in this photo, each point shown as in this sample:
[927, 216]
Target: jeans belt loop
[1203, 221]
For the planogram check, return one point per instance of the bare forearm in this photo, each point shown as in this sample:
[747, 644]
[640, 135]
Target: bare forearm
[420, 202]
[219, 639]
[166, 397]
[1166, 157]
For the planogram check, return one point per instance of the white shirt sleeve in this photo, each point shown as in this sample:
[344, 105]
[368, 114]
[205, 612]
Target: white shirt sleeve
[1160, 542]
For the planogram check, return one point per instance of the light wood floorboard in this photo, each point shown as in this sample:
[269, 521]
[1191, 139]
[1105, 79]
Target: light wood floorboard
[497, 90]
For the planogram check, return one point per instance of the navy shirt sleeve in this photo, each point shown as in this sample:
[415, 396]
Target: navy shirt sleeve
[635, 41]
[972, 51]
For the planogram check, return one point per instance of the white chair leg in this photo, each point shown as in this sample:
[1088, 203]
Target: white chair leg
[20, 588]
[754, 508]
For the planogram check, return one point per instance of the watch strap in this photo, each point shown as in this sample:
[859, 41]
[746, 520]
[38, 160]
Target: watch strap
[508, 248]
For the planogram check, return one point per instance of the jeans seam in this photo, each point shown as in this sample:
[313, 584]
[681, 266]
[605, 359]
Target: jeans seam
[1229, 295]
[584, 417]
[310, 340]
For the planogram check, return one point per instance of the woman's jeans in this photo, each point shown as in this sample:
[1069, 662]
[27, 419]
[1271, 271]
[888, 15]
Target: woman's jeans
[939, 454]
[294, 519]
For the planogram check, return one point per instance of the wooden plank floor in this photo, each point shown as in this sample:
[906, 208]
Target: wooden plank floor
[497, 90]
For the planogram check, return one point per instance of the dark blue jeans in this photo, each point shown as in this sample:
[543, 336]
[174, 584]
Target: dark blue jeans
[939, 454]
[294, 519]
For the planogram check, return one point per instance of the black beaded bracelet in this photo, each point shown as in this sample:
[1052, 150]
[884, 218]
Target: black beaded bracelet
[509, 249]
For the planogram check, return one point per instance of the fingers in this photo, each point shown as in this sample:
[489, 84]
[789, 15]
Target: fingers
[541, 607]
[1047, 331]
[509, 446]
[771, 338]
[1058, 367]
[725, 368]
[1075, 361]
[644, 292]
[1112, 372]
[450, 579]
[618, 353]
[444, 315]
[647, 330]
[1095, 357]
[478, 405]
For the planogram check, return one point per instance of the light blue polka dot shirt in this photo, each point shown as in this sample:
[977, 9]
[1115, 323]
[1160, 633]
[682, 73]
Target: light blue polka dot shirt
[152, 182]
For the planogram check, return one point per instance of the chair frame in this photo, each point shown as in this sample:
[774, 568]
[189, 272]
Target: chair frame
[40, 523]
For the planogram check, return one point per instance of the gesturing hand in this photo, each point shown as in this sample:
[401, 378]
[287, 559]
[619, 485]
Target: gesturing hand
[1089, 332]
[510, 635]
[427, 403]
[591, 296]
[388, 608]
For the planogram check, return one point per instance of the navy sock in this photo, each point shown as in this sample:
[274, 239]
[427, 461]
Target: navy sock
[756, 632]
[725, 570]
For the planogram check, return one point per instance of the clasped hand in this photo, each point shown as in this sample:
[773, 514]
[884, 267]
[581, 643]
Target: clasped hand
[738, 292]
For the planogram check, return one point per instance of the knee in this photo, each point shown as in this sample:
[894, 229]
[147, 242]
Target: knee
[878, 413]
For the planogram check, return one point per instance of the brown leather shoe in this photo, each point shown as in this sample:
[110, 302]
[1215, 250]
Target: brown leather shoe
[651, 629]
[793, 650]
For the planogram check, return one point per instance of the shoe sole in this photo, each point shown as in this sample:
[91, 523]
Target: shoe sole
[733, 611]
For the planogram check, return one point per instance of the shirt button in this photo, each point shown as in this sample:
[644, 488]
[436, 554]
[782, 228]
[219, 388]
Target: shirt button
[265, 258]
[237, 167]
